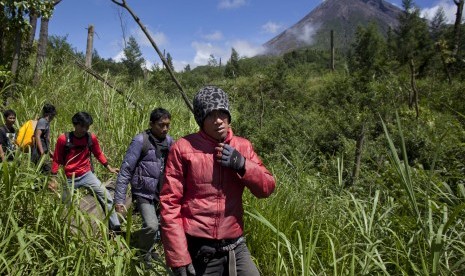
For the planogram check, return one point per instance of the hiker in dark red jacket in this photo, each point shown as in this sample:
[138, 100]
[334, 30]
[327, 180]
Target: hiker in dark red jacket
[73, 151]
[201, 199]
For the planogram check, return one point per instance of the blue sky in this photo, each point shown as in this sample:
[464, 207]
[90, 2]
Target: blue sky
[190, 31]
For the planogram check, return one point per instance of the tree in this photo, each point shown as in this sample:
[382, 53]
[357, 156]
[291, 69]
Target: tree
[412, 36]
[438, 25]
[169, 60]
[457, 24]
[232, 69]
[369, 57]
[124, 5]
[133, 60]
[33, 16]
[212, 61]
[187, 68]
[367, 64]
[437, 29]
[43, 38]
[414, 47]
[16, 33]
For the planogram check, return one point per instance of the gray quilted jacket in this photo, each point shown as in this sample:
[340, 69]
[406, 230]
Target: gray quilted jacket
[143, 172]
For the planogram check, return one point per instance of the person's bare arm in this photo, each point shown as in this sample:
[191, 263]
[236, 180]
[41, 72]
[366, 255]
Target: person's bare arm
[38, 142]
[2, 154]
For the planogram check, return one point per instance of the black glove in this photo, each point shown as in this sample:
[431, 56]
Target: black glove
[187, 270]
[232, 158]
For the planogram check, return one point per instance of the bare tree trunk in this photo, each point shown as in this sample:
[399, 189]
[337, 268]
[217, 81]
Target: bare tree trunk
[123, 27]
[16, 54]
[164, 56]
[413, 85]
[458, 22]
[42, 46]
[14, 67]
[332, 50]
[107, 83]
[262, 113]
[358, 154]
[2, 35]
[90, 42]
[41, 49]
[33, 21]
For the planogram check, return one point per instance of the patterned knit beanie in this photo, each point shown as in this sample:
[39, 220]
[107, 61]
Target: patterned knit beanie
[208, 99]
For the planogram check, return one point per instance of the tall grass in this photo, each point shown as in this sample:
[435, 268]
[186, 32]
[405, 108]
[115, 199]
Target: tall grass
[313, 232]
[39, 234]
[407, 221]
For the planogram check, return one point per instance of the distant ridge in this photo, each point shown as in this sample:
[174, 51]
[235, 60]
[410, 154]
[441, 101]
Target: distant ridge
[342, 16]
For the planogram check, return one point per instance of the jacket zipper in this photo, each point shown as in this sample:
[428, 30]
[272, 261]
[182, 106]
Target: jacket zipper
[218, 201]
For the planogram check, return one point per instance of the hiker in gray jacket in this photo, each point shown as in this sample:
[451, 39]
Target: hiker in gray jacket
[143, 167]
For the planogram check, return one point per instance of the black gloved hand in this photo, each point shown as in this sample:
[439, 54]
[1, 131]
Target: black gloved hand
[187, 270]
[231, 158]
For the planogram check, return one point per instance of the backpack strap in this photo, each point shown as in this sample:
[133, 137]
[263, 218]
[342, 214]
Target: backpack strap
[90, 143]
[145, 144]
[68, 146]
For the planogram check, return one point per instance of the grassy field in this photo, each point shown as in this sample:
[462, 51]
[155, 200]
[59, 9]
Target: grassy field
[403, 220]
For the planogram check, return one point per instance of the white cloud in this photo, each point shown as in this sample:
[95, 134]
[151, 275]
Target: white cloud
[204, 50]
[449, 8]
[118, 57]
[271, 27]
[245, 49]
[179, 65]
[306, 34]
[148, 64]
[159, 37]
[231, 4]
[214, 36]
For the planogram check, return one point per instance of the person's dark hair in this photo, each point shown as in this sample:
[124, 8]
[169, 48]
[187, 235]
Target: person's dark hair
[48, 110]
[82, 118]
[159, 113]
[8, 113]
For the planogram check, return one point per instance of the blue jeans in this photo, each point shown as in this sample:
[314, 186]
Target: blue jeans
[149, 234]
[90, 181]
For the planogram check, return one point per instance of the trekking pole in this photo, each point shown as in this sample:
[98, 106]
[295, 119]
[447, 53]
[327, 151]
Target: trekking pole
[160, 54]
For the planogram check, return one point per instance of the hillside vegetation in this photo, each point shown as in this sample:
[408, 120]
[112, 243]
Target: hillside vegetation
[369, 158]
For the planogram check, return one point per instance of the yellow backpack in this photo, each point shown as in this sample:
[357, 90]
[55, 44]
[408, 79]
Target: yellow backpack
[25, 137]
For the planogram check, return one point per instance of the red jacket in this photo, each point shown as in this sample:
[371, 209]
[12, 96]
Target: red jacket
[77, 160]
[203, 199]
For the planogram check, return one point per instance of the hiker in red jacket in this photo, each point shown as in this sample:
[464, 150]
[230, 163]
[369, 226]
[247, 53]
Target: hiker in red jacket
[201, 199]
[73, 151]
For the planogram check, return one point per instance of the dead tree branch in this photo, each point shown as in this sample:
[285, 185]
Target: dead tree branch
[458, 22]
[160, 54]
[100, 78]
